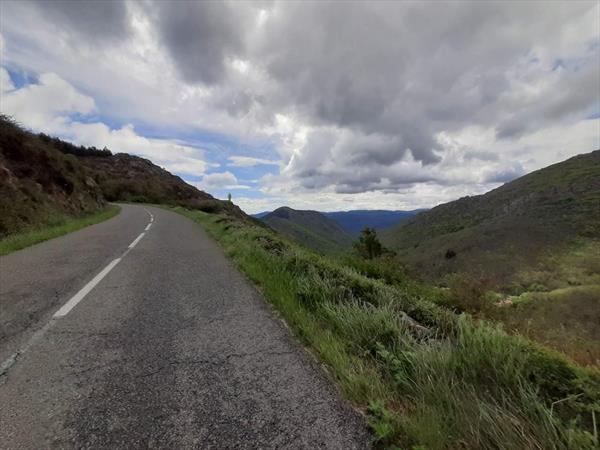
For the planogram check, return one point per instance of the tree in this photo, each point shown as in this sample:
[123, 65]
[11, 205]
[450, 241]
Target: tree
[229, 196]
[368, 244]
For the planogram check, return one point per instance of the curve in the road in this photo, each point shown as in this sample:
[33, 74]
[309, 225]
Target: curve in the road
[172, 348]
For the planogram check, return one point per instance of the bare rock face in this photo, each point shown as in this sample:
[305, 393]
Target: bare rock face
[89, 182]
[414, 327]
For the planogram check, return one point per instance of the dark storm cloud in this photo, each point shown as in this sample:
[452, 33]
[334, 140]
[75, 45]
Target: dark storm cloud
[200, 36]
[575, 91]
[97, 21]
[396, 74]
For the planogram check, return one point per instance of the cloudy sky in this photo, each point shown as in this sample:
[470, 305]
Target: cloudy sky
[327, 106]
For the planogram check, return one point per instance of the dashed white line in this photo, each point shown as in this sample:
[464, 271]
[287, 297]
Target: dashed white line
[137, 239]
[64, 310]
[67, 307]
[72, 302]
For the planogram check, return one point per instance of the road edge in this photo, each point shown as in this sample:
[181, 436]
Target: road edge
[20, 241]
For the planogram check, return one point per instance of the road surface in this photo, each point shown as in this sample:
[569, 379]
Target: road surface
[109, 340]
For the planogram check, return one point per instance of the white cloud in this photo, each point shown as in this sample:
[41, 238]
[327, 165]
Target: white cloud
[248, 161]
[172, 156]
[461, 172]
[423, 195]
[252, 205]
[219, 180]
[6, 83]
[47, 106]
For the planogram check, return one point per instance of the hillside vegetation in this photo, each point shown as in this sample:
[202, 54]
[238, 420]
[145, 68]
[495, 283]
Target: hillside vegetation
[424, 376]
[40, 185]
[128, 178]
[310, 228]
[526, 254]
[508, 229]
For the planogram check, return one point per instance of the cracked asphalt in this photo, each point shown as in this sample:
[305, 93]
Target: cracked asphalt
[172, 349]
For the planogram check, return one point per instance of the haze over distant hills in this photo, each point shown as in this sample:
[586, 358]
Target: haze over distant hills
[354, 221]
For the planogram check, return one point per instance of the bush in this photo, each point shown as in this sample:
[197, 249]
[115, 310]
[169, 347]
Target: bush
[368, 245]
[210, 206]
[469, 293]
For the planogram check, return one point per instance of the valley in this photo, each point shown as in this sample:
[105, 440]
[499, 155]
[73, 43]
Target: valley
[394, 328]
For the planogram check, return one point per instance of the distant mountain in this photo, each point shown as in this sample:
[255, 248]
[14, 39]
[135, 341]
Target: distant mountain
[354, 221]
[309, 228]
[509, 228]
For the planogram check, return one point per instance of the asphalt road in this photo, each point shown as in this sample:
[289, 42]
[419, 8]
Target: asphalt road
[172, 348]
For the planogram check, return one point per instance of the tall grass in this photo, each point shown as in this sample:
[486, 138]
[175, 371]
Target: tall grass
[54, 227]
[422, 375]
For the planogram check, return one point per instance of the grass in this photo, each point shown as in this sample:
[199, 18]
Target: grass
[576, 265]
[423, 376]
[54, 227]
[554, 302]
[565, 319]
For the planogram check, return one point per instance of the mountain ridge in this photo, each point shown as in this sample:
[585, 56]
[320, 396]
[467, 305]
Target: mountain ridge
[544, 209]
[355, 220]
[309, 228]
[45, 178]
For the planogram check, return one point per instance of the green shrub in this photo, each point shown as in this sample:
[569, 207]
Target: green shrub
[210, 206]
[469, 293]
[368, 245]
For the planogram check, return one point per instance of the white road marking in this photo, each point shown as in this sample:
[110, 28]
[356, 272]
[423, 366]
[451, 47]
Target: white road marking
[70, 304]
[64, 310]
[8, 363]
[67, 307]
[137, 239]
